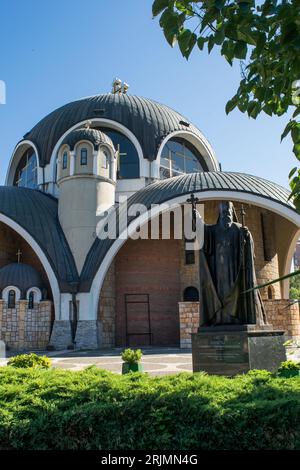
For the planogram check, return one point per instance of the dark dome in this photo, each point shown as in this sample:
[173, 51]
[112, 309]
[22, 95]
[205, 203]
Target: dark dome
[148, 120]
[20, 275]
[94, 136]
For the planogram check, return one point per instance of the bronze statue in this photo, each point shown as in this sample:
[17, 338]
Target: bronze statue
[226, 271]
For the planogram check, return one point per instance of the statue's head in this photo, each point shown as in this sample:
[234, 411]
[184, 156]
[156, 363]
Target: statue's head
[226, 213]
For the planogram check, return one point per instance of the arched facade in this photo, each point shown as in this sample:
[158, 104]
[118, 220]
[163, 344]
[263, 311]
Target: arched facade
[90, 155]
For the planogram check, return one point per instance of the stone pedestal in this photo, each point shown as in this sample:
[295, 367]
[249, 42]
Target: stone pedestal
[87, 334]
[235, 349]
[61, 336]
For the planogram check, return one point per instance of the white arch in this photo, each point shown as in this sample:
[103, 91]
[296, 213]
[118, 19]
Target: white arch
[17, 154]
[200, 143]
[204, 196]
[6, 290]
[144, 164]
[288, 264]
[42, 257]
[37, 294]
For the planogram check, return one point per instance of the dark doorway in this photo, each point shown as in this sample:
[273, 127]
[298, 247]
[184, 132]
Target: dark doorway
[138, 323]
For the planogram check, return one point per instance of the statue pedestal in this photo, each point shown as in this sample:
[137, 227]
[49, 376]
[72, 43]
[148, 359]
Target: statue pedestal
[235, 349]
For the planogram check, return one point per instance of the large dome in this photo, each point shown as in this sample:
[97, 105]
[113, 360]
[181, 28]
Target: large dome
[148, 120]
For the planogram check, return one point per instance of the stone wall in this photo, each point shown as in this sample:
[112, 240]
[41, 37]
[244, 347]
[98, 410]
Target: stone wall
[281, 314]
[24, 329]
[189, 322]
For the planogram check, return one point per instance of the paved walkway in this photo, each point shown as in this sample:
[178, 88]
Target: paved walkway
[162, 361]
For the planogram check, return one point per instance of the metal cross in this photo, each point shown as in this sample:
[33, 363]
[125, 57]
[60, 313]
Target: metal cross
[19, 254]
[193, 201]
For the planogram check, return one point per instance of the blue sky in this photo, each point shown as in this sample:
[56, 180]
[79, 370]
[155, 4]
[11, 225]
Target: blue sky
[52, 52]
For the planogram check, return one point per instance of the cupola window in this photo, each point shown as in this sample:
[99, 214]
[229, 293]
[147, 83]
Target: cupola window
[11, 299]
[26, 173]
[65, 161]
[31, 300]
[179, 157]
[83, 156]
[128, 159]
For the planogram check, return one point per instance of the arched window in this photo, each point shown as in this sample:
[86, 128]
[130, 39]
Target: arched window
[271, 292]
[129, 163]
[191, 294]
[26, 172]
[11, 301]
[83, 156]
[31, 300]
[65, 161]
[179, 157]
[105, 160]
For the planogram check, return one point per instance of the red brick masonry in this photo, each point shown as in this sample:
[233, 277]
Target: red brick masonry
[282, 314]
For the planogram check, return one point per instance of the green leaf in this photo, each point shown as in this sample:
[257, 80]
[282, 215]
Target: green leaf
[158, 6]
[296, 133]
[287, 129]
[240, 50]
[211, 43]
[231, 104]
[292, 172]
[201, 41]
[186, 42]
[296, 150]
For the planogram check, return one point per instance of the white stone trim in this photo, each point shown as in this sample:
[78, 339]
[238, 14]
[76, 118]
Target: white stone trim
[6, 290]
[204, 196]
[288, 265]
[200, 143]
[37, 294]
[42, 257]
[17, 154]
[72, 163]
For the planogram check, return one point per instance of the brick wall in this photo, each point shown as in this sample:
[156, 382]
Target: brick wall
[284, 315]
[281, 314]
[148, 267]
[107, 309]
[21, 328]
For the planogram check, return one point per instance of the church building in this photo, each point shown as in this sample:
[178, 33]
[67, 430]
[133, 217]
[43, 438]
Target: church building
[63, 286]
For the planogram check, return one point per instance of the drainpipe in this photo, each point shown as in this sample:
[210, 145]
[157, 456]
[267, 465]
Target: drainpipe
[74, 321]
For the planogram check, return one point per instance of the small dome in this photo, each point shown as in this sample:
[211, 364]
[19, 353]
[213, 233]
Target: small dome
[94, 136]
[20, 275]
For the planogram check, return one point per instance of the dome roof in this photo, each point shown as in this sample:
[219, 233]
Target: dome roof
[20, 275]
[148, 120]
[94, 136]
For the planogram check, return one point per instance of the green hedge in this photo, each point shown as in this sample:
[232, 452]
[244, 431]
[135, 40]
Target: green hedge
[94, 409]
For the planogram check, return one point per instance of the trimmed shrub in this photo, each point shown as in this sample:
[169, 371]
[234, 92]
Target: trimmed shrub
[96, 409]
[132, 356]
[25, 361]
[289, 365]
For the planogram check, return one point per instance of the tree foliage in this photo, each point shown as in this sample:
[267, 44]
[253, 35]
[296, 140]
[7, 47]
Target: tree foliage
[265, 36]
